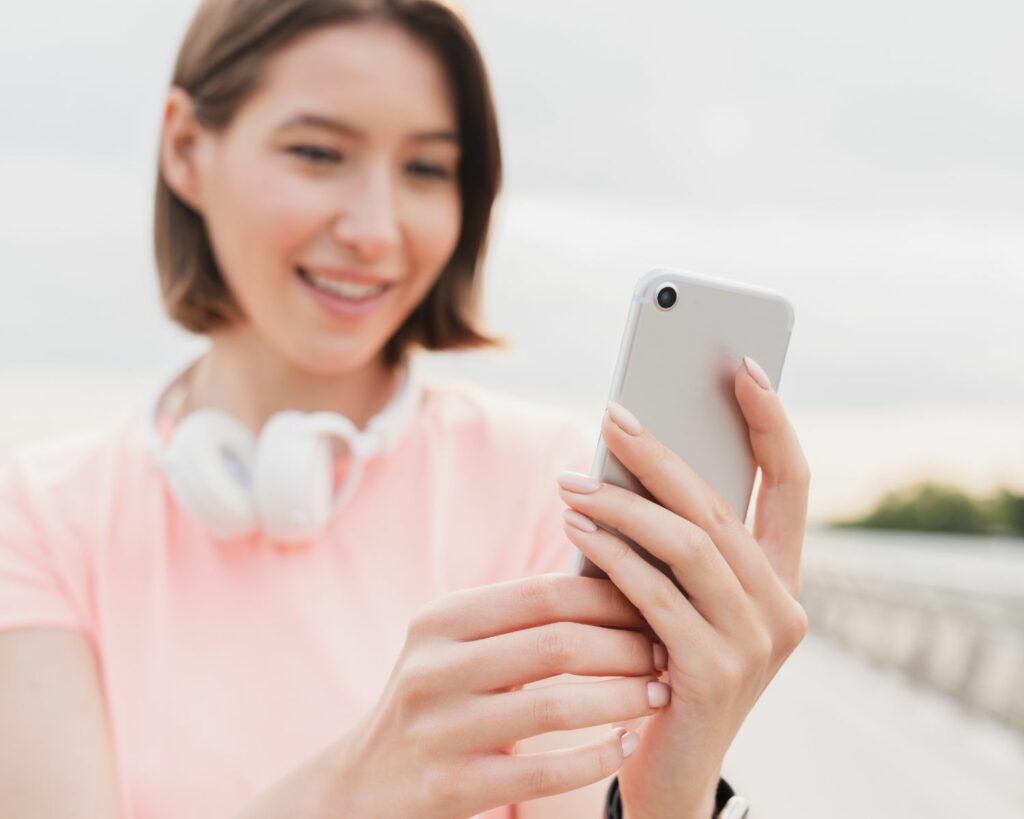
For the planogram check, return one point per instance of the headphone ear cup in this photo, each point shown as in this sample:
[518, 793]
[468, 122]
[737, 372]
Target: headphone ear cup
[292, 478]
[209, 465]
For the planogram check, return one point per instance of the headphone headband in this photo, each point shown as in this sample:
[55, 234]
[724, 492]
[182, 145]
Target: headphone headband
[382, 432]
[279, 481]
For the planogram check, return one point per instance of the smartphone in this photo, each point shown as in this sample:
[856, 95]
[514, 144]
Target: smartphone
[685, 337]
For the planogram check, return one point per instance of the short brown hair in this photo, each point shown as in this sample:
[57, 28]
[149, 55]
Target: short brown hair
[220, 64]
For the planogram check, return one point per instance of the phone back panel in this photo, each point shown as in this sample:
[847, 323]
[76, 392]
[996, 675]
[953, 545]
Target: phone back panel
[676, 372]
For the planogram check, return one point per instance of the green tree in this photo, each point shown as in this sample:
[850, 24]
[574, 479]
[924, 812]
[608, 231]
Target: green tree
[1006, 512]
[935, 507]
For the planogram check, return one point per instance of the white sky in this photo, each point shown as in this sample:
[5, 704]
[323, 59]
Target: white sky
[865, 159]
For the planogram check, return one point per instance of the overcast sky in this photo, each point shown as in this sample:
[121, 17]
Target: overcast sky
[894, 104]
[865, 159]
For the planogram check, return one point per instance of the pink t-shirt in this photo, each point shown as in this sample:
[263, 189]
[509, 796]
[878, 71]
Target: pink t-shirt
[225, 664]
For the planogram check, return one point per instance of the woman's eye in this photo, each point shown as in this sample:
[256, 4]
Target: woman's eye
[429, 170]
[318, 156]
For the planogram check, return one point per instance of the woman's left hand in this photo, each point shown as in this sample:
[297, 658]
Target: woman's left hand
[739, 619]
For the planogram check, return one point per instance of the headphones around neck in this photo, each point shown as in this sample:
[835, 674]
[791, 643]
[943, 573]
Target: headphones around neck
[281, 483]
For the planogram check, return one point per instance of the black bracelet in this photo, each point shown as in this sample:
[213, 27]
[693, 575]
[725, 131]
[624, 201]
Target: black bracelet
[613, 802]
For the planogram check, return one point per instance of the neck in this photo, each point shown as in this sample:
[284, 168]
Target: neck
[252, 381]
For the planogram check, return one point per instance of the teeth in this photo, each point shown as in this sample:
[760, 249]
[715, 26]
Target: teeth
[344, 289]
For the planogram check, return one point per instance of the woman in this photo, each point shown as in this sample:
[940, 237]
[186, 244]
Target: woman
[193, 630]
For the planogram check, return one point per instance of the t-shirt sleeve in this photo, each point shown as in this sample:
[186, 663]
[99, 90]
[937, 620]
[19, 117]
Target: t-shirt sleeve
[573, 451]
[38, 586]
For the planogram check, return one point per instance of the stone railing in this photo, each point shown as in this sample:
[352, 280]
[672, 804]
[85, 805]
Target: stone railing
[967, 644]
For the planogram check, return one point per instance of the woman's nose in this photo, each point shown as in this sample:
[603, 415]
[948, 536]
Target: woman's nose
[368, 225]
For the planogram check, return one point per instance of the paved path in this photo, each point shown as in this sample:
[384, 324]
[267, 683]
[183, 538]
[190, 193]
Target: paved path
[834, 738]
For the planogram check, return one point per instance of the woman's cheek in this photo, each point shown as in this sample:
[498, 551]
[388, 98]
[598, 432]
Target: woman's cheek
[439, 225]
[286, 211]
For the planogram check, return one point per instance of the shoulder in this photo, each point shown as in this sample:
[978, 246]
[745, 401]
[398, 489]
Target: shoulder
[75, 469]
[56, 497]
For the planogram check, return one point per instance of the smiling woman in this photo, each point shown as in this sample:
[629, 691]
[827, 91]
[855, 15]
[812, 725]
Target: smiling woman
[300, 580]
[335, 203]
[337, 118]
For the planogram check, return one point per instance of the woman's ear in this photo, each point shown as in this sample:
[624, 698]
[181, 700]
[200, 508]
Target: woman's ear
[178, 148]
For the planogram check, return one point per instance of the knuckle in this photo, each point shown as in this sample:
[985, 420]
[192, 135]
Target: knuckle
[641, 653]
[419, 731]
[416, 681]
[801, 480]
[655, 462]
[621, 507]
[631, 501]
[794, 627]
[701, 546]
[763, 647]
[803, 472]
[797, 472]
[424, 622]
[664, 593]
[661, 455]
[614, 598]
[540, 593]
[620, 549]
[549, 711]
[616, 601]
[732, 671]
[541, 779]
[555, 646]
[721, 512]
[607, 756]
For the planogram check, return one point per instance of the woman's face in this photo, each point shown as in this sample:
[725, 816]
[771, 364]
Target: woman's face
[340, 171]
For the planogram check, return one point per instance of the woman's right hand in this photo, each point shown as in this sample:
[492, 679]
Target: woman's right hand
[440, 741]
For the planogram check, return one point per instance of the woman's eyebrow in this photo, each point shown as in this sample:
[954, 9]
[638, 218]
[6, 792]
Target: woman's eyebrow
[347, 129]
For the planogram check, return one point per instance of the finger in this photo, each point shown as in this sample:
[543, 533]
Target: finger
[497, 720]
[686, 549]
[497, 608]
[781, 508]
[671, 616]
[674, 484]
[515, 778]
[545, 651]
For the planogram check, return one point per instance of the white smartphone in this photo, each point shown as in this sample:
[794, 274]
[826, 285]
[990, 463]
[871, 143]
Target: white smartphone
[686, 335]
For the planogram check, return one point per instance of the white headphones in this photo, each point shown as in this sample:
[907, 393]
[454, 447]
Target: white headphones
[281, 483]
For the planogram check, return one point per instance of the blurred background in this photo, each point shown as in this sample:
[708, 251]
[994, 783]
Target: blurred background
[864, 159]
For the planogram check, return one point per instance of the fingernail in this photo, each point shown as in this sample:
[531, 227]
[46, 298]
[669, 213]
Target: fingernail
[575, 482]
[660, 657]
[759, 375]
[629, 742]
[581, 522]
[626, 420]
[657, 694]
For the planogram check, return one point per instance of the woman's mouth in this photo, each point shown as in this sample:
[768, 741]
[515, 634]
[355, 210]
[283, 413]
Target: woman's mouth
[343, 290]
[345, 299]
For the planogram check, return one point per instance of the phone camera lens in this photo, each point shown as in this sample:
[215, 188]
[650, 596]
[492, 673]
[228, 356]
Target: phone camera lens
[666, 297]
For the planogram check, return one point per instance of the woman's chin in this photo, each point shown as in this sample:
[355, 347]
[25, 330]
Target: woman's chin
[331, 358]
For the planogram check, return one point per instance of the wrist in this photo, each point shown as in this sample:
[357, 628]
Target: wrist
[704, 809]
[719, 801]
[345, 782]
[309, 791]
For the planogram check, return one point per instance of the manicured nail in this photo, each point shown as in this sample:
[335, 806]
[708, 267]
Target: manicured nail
[581, 522]
[660, 657]
[626, 420]
[759, 375]
[657, 694]
[575, 482]
[629, 742]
